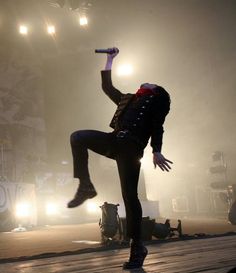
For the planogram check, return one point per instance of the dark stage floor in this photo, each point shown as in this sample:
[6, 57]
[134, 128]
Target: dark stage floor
[57, 239]
[214, 255]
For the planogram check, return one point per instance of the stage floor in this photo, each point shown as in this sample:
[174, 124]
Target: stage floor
[212, 255]
[82, 237]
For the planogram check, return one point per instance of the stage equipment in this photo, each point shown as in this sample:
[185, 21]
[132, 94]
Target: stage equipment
[163, 231]
[57, 3]
[228, 194]
[109, 223]
[151, 228]
[147, 229]
[73, 5]
[219, 164]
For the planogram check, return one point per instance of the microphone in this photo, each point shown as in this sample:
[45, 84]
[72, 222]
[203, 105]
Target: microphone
[108, 50]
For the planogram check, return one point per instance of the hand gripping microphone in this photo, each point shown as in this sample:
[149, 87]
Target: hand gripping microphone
[108, 50]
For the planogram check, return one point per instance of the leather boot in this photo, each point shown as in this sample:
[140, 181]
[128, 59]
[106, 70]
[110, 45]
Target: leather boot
[138, 253]
[83, 193]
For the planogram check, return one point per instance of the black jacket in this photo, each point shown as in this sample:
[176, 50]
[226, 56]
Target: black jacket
[143, 117]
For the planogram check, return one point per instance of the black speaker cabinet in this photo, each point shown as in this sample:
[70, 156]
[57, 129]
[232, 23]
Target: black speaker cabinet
[147, 228]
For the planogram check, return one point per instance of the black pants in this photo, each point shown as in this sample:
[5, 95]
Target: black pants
[127, 154]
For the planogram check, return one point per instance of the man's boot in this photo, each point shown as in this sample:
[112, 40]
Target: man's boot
[138, 253]
[85, 191]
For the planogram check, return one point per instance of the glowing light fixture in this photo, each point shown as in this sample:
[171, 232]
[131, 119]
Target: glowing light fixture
[64, 162]
[51, 29]
[83, 20]
[23, 30]
[92, 207]
[51, 209]
[22, 210]
[125, 70]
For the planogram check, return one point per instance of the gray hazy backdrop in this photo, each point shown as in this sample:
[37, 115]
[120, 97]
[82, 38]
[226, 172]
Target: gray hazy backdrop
[186, 46]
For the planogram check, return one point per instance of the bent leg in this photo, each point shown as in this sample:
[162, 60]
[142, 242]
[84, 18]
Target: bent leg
[81, 141]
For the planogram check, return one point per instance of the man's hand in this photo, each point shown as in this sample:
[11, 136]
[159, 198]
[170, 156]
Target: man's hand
[110, 58]
[161, 161]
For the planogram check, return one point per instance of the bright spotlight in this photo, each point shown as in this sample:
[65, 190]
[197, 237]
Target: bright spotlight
[51, 209]
[92, 207]
[64, 162]
[83, 20]
[125, 70]
[51, 30]
[22, 210]
[23, 30]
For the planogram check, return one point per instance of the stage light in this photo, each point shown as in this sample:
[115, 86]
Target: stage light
[23, 30]
[125, 70]
[83, 20]
[92, 207]
[64, 162]
[51, 29]
[61, 3]
[23, 210]
[57, 3]
[51, 209]
[74, 4]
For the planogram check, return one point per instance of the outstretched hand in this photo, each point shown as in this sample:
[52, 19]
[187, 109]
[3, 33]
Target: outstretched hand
[161, 161]
[113, 55]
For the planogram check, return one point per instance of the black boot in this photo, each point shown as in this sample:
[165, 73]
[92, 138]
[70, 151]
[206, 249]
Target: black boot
[138, 253]
[83, 193]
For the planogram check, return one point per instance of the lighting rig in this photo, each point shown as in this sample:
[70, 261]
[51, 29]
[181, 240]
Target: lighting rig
[71, 4]
[79, 6]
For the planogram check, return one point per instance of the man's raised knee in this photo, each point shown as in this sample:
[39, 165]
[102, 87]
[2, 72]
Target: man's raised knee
[75, 137]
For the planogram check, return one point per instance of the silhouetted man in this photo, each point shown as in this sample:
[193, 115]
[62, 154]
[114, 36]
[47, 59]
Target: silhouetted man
[137, 118]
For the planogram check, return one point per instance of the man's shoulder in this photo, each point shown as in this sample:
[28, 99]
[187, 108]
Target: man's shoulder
[127, 96]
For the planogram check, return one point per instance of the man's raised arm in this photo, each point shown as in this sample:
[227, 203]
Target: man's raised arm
[107, 86]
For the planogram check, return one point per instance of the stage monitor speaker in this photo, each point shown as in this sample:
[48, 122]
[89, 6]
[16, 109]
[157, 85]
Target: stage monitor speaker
[147, 228]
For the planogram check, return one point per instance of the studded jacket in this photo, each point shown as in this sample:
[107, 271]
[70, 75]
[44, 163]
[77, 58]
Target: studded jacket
[141, 116]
